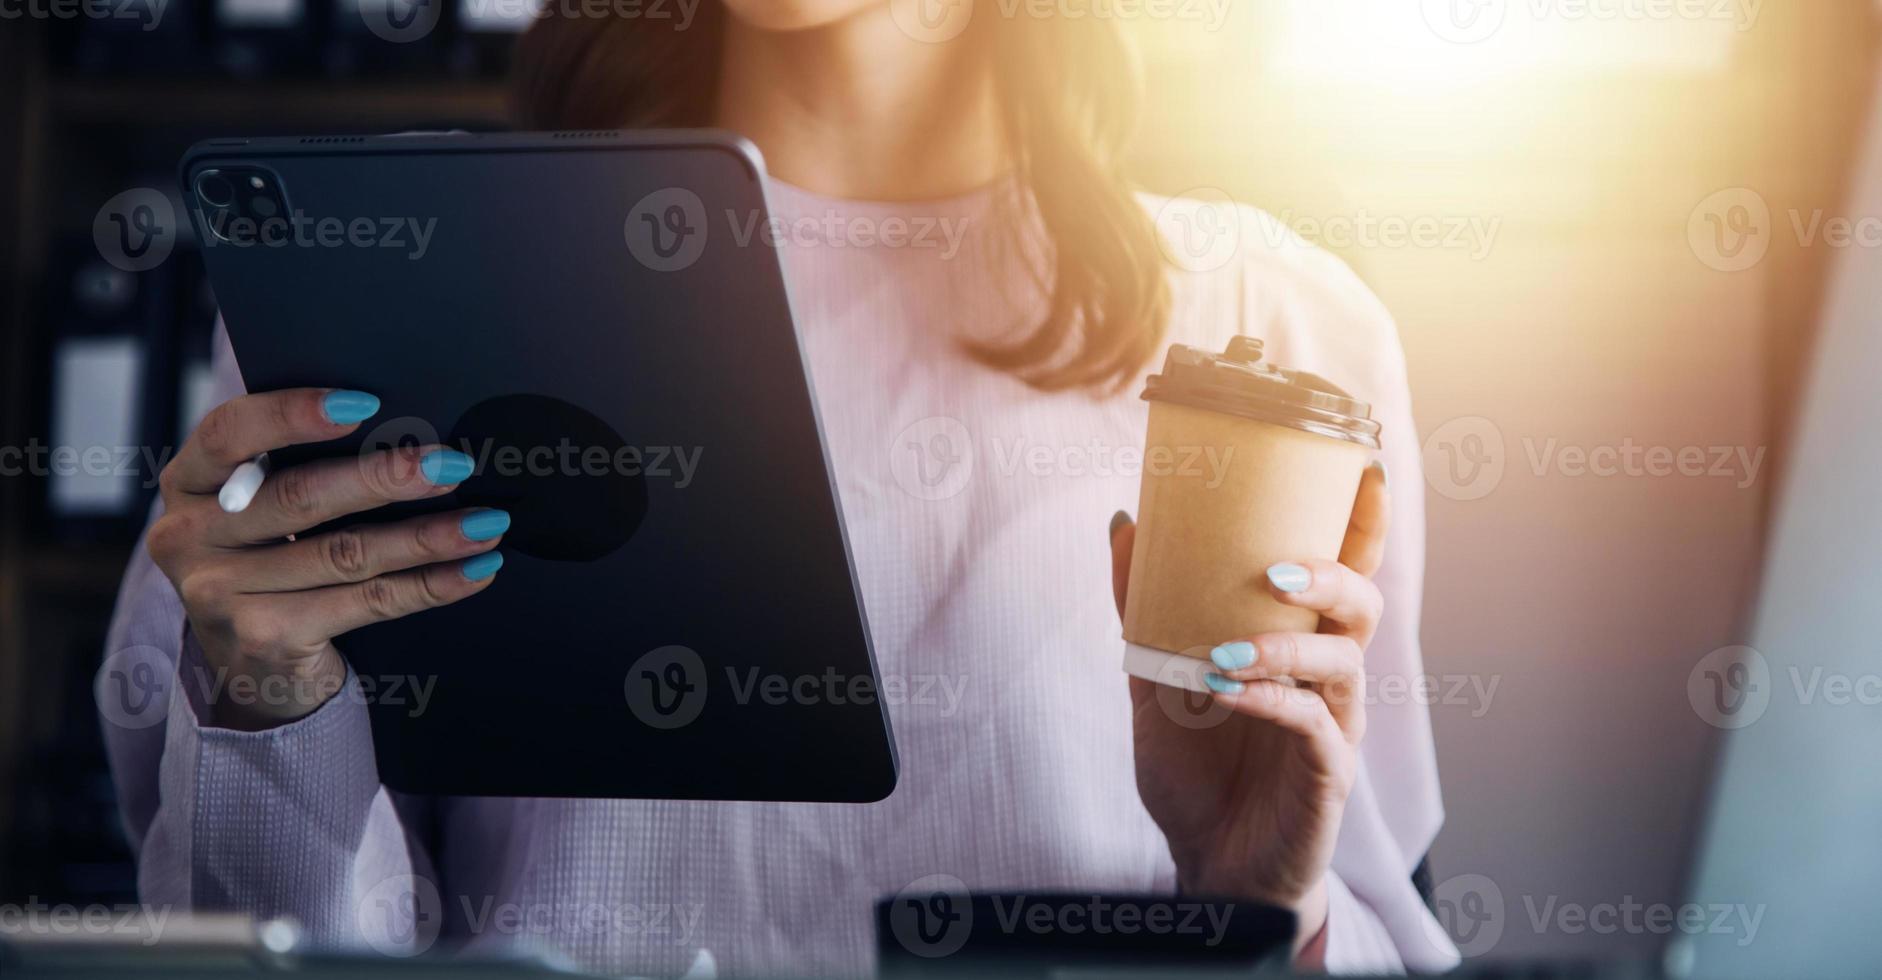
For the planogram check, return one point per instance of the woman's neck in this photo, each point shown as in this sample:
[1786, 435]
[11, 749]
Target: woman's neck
[857, 109]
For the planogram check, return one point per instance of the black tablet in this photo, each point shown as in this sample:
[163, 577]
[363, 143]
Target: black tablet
[677, 616]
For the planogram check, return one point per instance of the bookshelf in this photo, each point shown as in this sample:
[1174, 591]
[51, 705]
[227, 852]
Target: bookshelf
[69, 141]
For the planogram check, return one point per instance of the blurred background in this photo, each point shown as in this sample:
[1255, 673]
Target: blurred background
[1604, 227]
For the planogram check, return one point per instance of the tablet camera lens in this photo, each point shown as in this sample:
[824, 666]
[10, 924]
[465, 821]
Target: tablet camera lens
[215, 190]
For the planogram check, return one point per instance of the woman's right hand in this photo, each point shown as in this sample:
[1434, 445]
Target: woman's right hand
[265, 608]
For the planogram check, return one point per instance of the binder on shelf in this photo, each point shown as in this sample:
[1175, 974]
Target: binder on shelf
[256, 38]
[486, 33]
[108, 395]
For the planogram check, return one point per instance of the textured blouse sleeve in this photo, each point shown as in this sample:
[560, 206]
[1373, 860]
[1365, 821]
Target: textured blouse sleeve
[290, 822]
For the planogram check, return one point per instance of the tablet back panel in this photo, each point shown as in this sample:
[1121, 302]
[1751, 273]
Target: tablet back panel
[586, 315]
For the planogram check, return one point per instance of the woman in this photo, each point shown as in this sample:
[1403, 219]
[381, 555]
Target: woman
[1049, 771]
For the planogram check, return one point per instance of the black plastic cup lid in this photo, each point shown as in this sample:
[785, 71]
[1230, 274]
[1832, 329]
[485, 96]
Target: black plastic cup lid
[1237, 382]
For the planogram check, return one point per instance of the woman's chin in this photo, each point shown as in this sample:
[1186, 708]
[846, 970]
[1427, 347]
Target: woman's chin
[795, 15]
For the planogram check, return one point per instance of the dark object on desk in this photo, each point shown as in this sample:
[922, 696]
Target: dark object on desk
[932, 930]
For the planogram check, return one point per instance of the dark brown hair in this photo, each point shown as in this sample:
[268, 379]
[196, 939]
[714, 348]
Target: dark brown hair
[1069, 94]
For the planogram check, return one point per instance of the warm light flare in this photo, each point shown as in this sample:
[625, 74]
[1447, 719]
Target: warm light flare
[1438, 43]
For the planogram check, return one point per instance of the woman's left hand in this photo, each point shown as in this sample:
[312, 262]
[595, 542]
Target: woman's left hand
[1250, 798]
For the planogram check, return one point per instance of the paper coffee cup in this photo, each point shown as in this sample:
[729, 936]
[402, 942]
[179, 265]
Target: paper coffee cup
[1285, 452]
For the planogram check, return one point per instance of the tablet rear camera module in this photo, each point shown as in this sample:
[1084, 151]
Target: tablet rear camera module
[242, 205]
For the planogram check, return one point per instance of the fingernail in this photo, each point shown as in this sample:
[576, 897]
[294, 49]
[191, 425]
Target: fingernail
[1222, 685]
[1118, 520]
[485, 524]
[483, 566]
[1289, 577]
[1233, 656]
[445, 466]
[347, 407]
[1384, 476]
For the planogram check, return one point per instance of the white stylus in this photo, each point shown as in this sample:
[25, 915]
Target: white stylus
[240, 489]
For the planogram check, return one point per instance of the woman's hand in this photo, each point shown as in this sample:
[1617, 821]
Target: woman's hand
[266, 608]
[1251, 797]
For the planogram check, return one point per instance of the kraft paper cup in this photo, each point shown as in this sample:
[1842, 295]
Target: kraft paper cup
[1289, 450]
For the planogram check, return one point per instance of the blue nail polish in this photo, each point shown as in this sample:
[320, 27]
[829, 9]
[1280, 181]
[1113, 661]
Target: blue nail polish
[347, 407]
[483, 566]
[485, 524]
[1233, 656]
[445, 466]
[1222, 685]
[1289, 577]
